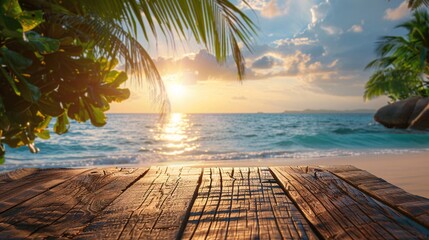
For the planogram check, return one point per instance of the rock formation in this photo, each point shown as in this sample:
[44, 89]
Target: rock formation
[409, 113]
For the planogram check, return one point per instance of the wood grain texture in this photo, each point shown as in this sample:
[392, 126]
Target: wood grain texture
[413, 206]
[16, 174]
[68, 206]
[338, 210]
[154, 207]
[244, 203]
[332, 202]
[21, 185]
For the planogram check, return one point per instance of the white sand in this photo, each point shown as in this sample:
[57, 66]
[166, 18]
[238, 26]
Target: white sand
[407, 171]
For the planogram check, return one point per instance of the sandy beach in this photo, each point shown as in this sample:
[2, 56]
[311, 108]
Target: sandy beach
[407, 171]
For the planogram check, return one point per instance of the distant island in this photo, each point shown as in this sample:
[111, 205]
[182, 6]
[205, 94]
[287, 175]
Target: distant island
[332, 111]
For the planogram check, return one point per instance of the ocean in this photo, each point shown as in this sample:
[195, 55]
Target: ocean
[145, 139]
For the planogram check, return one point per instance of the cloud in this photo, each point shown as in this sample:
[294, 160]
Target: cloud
[327, 54]
[393, 14]
[331, 30]
[337, 83]
[268, 8]
[324, 51]
[356, 28]
[295, 64]
[319, 11]
[201, 66]
[265, 62]
[294, 41]
[272, 10]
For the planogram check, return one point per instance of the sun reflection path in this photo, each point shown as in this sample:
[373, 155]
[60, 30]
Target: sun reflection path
[176, 135]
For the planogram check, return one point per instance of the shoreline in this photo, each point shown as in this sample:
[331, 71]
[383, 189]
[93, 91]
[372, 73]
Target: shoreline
[408, 171]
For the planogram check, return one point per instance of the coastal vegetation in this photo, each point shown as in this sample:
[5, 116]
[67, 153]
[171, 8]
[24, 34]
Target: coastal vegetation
[414, 4]
[402, 66]
[59, 59]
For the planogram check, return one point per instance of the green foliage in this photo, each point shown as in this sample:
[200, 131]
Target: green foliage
[414, 4]
[58, 58]
[402, 66]
[396, 84]
[48, 72]
[417, 4]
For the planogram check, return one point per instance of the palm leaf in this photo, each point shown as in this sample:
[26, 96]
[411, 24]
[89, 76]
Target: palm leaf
[217, 24]
[396, 84]
[414, 4]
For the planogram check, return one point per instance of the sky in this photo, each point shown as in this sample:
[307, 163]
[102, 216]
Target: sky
[308, 54]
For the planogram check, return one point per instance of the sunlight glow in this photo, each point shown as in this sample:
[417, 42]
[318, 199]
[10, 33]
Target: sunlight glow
[176, 90]
[176, 135]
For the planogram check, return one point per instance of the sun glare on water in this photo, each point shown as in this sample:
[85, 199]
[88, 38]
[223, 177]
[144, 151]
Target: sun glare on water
[176, 135]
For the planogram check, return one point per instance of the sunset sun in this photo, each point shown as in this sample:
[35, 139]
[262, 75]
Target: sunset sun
[175, 90]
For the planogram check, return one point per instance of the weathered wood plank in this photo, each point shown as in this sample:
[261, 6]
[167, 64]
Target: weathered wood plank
[23, 184]
[154, 207]
[16, 174]
[413, 206]
[72, 221]
[339, 210]
[244, 203]
[68, 206]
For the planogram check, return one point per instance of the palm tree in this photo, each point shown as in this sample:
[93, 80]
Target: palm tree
[414, 4]
[402, 65]
[58, 57]
[217, 24]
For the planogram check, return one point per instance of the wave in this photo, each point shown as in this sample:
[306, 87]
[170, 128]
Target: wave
[249, 135]
[290, 154]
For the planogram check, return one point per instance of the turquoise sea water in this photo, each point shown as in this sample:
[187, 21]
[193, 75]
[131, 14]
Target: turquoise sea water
[144, 139]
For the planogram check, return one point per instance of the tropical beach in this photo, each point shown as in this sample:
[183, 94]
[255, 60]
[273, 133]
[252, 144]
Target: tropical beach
[214, 119]
[234, 140]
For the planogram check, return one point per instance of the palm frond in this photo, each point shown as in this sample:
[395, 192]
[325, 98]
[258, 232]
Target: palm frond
[414, 4]
[394, 83]
[217, 24]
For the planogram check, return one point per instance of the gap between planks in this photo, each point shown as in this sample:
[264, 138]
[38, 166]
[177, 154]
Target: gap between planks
[339, 210]
[415, 207]
[167, 203]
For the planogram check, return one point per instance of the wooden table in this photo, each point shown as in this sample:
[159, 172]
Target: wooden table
[323, 202]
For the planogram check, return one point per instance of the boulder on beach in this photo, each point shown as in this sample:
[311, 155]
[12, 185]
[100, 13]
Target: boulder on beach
[409, 113]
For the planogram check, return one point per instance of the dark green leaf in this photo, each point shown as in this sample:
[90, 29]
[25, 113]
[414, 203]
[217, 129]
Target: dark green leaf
[11, 28]
[14, 60]
[97, 116]
[29, 92]
[115, 79]
[44, 45]
[30, 19]
[4, 120]
[116, 95]
[62, 124]
[78, 112]
[45, 123]
[44, 134]
[11, 81]
[50, 106]
[10, 8]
